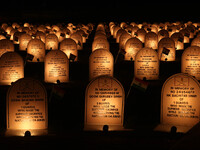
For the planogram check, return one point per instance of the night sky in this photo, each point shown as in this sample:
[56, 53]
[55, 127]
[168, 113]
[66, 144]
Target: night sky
[98, 11]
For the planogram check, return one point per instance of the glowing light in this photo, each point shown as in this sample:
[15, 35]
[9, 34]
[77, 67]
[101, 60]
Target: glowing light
[101, 62]
[104, 108]
[56, 67]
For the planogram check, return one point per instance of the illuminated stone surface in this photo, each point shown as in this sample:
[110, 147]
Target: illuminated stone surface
[190, 61]
[104, 104]
[101, 62]
[146, 64]
[27, 105]
[56, 67]
[180, 103]
[11, 68]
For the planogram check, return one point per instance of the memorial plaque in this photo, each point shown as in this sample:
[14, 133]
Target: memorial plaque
[140, 34]
[6, 46]
[23, 41]
[190, 61]
[146, 64]
[36, 48]
[11, 68]
[123, 39]
[196, 42]
[162, 34]
[115, 30]
[100, 43]
[180, 105]
[101, 62]
[56, 67]
[178, 39]
[68, 46]
[78, 39]
[41, 36]
[104, 104]
[51, 42]
[26, 106]
[151, 40]
[132, 46]
[166, 49]
[119, 33]
[186, 35]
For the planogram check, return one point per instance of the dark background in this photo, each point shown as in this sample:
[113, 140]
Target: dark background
[98, 11]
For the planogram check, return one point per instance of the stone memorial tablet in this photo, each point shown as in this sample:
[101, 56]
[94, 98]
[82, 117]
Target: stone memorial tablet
[101, 62]
[123, 39]
[180, 105]
[166, 49]
[178, 39]
[146, 64]
[151, 40]
[78, 39]
[26, 107]
[100, 43]
[190, 61]
[140, 34]
[23, 41]
[162, 34]
[56, 67]
[51, 42]
[104, 104]
[132, 46]
[196, 42]
[36, 48]
[6, 46]
[68, 46]
[11, 68]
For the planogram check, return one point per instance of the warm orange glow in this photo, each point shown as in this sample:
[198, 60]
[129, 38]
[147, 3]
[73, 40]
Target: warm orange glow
[115, 30]
[178, 39]
[41, 36]
[23, 41]
[100, 43]
[56, 67]
[123, 39]
[162, 34]
[68, 46]
[2, 37]
[101, 62]
[11, 68]
[169, 44]
[196, 42]
[36, 48]
[26, 106]
[132, 46]
[78, 39]
[190, 61]
[180, 101]
[51, 42]
[186, 35]
[104, 104]
[6, 46]
[146, 64]
[151, 40]
[140, 34]
[8, 30]
[119, 33]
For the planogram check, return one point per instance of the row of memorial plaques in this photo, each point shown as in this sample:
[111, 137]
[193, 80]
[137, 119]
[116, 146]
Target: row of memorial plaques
[101, 62]
[104, 105]
[133, 45]
[36, 47]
